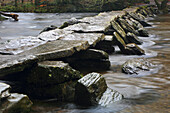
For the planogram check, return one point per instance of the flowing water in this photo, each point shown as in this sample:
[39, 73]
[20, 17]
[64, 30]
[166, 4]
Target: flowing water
[148, 92]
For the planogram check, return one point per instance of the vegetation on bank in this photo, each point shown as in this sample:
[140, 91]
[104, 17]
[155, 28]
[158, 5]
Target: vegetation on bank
[51, 6]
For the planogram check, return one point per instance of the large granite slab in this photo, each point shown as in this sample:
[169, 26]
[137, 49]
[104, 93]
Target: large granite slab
[50, 50]
[96, 24]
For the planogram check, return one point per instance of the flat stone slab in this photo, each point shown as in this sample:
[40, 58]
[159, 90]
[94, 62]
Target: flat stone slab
[96, 24]
[92, 38]
[60, 34]
[57, 49]
[50, 50]
[15, 63]
[19, 45]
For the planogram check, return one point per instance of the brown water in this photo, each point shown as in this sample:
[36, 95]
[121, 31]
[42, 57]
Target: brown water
[149, 92]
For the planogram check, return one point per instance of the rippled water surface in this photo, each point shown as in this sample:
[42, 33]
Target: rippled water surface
[148, 92]
[30, 24]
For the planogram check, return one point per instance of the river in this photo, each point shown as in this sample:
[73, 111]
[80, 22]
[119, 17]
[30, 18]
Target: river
[146, 93]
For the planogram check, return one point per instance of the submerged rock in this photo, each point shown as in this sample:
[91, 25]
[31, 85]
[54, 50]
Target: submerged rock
[135, 66]
[92, 89]
[72, 21]
[16, 103]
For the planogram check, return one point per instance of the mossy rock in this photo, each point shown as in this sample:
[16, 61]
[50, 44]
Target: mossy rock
[52, 73]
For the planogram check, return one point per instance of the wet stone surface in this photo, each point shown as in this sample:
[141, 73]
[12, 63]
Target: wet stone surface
[136, 66]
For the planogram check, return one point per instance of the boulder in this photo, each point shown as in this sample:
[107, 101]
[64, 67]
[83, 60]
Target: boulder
[16, 103]
[91, 54]
[92, 89]
[4, 91]
[127, 27]
[62, 92]
[140, 20]
[52, 73]
[135, 66]
[129, 49]
[110, 96]
[132, 38]
[133, 49]
[72, 21]
[52, 27]
[52, 79]
[10, 64]
[120, 42]
[106, 44]
[136, 24]
[143, 32]
[119, 30]
[89, 65]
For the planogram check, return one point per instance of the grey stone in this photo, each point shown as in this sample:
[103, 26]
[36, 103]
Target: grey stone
[143, 32]
[106, 44]
[127, 27]
[61, 34]
[136, 24]
[57, 49]
[15, 63]
[72, 21]
[19, 45]
[16, 103]
[120, 42]
[61, 92]
[91, 54]
[129, 49]
[4, 91]
[52, 73]
[52, 27]
[92, 89]
[133, 49]
[89, 65]
[119, 30]
[92, 38]
[132, 38]
[53, 35]
[110, 96]
[136, 17]
[135, 66]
